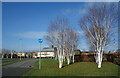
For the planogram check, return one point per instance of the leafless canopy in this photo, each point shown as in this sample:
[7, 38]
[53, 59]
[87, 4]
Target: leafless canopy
[98, 24]
[64, 38]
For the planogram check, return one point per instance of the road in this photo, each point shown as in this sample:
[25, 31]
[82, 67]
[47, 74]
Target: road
[18, 68]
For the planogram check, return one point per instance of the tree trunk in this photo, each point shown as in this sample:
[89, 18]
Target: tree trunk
[73, 58]
[3, 56]
[60, 61]
[55, 57]
[68, 60]
[7, 56]
[11, 55]
[96, 58]
[60, 57]
[60, 64]
[99, 60]
[64, 58]
[101, 56]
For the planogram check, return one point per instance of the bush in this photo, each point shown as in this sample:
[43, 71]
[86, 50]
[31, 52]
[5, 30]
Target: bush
[91, 58]
[84, 57]
[114, 58]
[77, 58]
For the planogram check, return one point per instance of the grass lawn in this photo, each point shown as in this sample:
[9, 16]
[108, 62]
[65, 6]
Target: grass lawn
[50, 68]
[5, 58]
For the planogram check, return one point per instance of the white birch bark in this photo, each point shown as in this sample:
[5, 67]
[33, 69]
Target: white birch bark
[73, 58]
[68, 60]
[60, 61]
[60, 57]
[11, 55]
[7, 56]
[56, 57]
[2, 55]
[99, 60]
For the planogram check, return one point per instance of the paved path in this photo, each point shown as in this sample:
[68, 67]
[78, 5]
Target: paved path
[19, 68]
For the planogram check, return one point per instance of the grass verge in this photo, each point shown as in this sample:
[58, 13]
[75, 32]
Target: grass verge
[3, 64]
[50, 68]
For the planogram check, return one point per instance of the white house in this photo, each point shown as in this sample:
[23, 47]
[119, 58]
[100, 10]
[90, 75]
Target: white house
[47, 52]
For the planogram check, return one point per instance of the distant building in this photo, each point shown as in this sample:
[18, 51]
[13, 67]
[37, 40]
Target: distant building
[21, 54]
[77, 51]
[50, 48]
[34, 54]
[47, 52]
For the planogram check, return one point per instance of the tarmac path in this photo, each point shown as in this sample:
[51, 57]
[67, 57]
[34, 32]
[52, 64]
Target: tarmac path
[18, 68]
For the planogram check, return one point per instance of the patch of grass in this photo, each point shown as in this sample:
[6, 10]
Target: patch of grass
[50, 68]
[3, 64]
[5, 58]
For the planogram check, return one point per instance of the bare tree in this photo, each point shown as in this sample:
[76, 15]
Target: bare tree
[73, 39]
[60, 35]
[5, 52]
[97, 26]
[55, 36]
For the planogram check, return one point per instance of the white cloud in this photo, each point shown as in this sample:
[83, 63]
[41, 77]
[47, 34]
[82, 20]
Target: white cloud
[76, 11]
[80, 33]
[36, 35]
[82, 12]
[79, 11]
[31, 34]
[66, 11]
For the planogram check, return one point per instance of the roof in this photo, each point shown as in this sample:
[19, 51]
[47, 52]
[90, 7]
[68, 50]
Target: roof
[47, 51]
[46, 48]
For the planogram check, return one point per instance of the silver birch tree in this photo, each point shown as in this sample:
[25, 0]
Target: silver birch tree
[59, 34]
[97, 26]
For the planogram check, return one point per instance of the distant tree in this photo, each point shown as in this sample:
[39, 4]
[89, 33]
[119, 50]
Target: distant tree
[97, 26]
[5, 52]
[118, 51]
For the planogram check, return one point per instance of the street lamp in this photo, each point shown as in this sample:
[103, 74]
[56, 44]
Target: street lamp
[11, 54]
[40, 41]
[20, 47]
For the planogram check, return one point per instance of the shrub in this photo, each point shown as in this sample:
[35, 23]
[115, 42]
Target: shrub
[84, 57]
[77, 58]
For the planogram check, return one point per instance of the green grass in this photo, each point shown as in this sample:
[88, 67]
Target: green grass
[50, 68]
[5, 58]
[3, 64]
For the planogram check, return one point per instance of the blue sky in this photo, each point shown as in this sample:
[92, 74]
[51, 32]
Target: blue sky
[29, 21]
